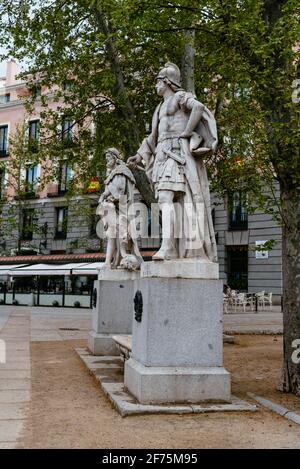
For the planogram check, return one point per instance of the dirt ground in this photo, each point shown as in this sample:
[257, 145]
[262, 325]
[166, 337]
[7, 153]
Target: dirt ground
[69, 410]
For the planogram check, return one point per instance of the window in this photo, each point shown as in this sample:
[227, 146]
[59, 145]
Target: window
[61, 222]
[238, 216]
[27, 223]
[31, 178]
[33, 135]
[67, 132]
[5, 98]
[3, 140]
[65, 176]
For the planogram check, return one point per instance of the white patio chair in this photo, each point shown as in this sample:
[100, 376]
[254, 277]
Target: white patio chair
[260, 299]
[225, 303]
[240, 300]
[268, 299]
[231, 297]
[250, 301]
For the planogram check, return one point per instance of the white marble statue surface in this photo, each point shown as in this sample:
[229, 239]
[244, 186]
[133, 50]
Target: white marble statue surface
[183, 135]
[122, 249]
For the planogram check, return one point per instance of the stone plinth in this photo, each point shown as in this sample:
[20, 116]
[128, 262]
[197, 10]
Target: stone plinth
[177, 348]
[112, 309]
[180, 268]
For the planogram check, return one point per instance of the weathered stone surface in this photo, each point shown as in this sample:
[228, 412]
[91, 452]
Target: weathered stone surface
[102, 344]
[177, 343]
[122, 247]
[117, 274]
[8, 384]
[181, 323]
[113, 312]
[13, 411]
[174, 155]
[181, 268]
[14, 374]
[112, 385]
[158, 385]
[10, 430]
[14, 396]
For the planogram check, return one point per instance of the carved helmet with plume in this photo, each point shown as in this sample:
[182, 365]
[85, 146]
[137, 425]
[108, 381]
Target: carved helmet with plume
[170, 73]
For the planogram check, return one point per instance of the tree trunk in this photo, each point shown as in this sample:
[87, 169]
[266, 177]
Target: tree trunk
[291, 288]
[125, 105]
[188, 62]
[286, 163]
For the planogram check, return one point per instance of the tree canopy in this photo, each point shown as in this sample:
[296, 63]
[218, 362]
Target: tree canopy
[101, 58]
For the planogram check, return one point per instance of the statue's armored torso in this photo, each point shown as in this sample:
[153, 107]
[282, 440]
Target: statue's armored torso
[168, 170]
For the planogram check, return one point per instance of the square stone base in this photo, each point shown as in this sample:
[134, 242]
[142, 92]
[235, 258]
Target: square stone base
[108, 372]
[112, 310]
[157, 385]
[102, 344]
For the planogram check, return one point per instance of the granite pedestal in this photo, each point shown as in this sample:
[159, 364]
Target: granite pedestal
[112, 309]
[177, 343]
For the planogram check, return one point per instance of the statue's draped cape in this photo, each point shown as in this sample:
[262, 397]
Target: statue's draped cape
[197, 240]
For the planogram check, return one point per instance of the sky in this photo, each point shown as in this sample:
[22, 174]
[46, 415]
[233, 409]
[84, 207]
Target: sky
[2, 68]
[2, 64]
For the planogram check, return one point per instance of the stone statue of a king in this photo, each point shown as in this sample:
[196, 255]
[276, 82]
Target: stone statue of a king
[183, 135]
[122, 249]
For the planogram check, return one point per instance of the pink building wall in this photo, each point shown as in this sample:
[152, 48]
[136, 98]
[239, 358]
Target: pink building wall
[13, 113]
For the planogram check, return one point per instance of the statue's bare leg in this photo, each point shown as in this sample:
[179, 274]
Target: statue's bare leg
[110, 251]
[166, 205]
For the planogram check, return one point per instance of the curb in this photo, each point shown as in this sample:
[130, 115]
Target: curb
[279, 409]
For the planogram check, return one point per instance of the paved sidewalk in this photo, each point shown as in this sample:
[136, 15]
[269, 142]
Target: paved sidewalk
[14, 376]
[264, 322]
[57, 324]
[53, 324]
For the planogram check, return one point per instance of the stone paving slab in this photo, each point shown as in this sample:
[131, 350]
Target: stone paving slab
[16, 335]
[17, 355]
[3, 318]
[14, 377]
[13, 411]
[17, 348]
[15, 366]
[108, 372]
[15, 343]
[14, 384]
[10, 430]
[7, 445]
[16, 324]
[12, 358]
[14, 396]
[14, 374]
[44, 335]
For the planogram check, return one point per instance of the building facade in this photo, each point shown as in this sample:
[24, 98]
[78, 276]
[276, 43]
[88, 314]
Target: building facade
[38, 220]
[46, 221]
[240, 236]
